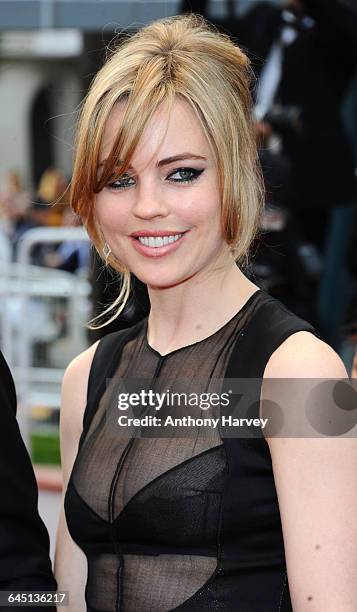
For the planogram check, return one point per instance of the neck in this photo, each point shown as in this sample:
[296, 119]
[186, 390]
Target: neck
[195, 308]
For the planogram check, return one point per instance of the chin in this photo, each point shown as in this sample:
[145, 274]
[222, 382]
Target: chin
[160, 280]
[162, 283]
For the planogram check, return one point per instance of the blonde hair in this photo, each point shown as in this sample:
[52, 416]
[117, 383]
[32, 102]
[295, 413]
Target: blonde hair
[175, 56]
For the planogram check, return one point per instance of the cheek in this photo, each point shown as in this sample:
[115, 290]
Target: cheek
[107, 211]
[203, 208]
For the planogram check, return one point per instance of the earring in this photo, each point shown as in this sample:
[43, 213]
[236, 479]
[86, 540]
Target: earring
[106, 250]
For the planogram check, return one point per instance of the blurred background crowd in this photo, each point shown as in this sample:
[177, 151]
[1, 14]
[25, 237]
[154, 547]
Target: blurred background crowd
[304, 56]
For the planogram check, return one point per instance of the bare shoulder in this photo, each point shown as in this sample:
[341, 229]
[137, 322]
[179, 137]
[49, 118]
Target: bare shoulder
[310, 474]
[74, 389]
[303, 355]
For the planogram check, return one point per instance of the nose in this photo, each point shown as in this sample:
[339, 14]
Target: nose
[150, 201]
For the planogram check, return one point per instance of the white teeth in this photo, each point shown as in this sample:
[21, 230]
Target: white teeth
[159, 241]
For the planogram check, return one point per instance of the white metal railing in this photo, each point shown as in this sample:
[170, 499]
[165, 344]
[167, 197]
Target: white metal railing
[28, 294]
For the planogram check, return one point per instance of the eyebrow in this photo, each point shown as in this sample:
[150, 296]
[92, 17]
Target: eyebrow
[169, 160]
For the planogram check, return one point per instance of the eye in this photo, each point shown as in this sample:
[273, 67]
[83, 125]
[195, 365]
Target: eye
[183, 175]
[186, 175]
[122, 182]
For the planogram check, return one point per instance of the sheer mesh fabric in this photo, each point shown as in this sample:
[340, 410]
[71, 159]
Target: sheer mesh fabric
[155, 498]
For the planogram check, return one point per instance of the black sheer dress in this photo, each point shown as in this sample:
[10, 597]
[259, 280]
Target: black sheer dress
[180, 523]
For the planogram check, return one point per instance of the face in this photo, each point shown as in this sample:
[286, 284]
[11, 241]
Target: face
[171, 189]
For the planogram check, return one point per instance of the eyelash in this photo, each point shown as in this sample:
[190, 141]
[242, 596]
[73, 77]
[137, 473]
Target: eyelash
[196, 174]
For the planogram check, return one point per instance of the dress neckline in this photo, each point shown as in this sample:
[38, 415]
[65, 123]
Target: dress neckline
[239, 312]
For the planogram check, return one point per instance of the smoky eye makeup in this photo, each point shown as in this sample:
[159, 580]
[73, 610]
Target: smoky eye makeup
[181, 175]
[121, 182]
[184, 174]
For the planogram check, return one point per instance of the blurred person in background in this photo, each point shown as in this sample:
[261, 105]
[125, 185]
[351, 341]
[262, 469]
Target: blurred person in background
[24, 544]
[309, 48]
[71, 255]
[45, 210]
[14, 199]
[38, 214]
[309, 53]
[14, 207]
[22, 211]
[51, 191]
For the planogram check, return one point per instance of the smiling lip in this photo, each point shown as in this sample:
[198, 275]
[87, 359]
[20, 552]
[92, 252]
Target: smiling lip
[157, 251]
[156, 233]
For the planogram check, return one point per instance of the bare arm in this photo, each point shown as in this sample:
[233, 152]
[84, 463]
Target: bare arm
[317, 491]
[70, 561]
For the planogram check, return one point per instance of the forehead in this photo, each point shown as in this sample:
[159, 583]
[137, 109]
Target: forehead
[164, 135]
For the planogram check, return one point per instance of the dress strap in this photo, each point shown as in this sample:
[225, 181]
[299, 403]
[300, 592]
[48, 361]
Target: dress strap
[266, 330]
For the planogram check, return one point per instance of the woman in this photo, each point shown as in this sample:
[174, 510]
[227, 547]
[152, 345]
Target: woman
[165, 147]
